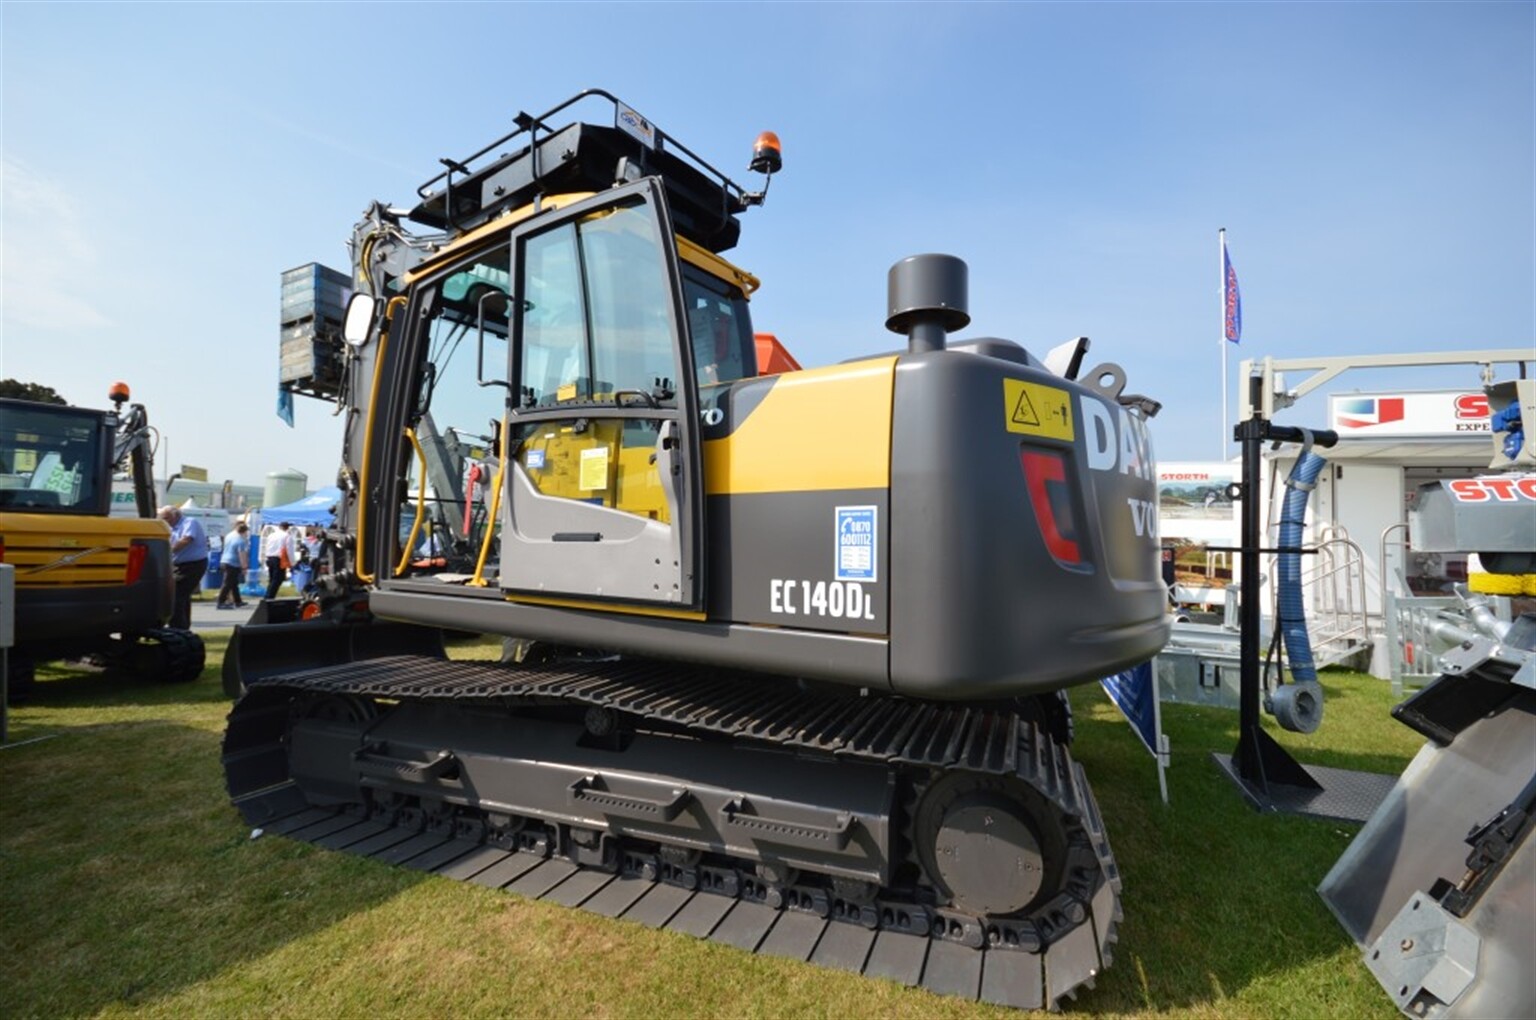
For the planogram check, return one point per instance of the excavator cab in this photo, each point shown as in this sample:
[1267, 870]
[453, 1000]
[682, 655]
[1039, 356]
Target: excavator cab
[571, 332]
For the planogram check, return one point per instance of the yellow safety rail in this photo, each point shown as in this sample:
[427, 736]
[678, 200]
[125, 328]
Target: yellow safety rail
[478, 580]
[421, 504]
[373, 402]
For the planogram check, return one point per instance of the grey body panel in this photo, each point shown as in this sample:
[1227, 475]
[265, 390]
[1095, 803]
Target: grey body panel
[962, 580]
[979, 606]
[628, 556]
[995, 347]
[769, 552]
[847, 658]
[757, 539]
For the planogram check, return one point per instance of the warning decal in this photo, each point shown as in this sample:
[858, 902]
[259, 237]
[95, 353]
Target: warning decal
[1024, 411]
[594, 469]
[1038, 410]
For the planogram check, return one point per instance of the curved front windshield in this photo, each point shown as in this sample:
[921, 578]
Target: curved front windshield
[51, 460]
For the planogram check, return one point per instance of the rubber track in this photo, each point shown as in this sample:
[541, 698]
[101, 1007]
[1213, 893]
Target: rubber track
[744, 706]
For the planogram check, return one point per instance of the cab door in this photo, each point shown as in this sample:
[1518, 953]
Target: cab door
[602, 495]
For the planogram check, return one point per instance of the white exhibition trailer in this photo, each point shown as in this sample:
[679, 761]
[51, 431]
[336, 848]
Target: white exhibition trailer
[1390, 443]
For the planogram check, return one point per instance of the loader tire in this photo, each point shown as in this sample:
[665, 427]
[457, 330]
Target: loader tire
[185, 655]
[165, 655]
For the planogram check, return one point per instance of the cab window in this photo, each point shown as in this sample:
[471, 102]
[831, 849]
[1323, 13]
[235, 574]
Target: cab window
[596, 313]
[456, 420]
[721, 328]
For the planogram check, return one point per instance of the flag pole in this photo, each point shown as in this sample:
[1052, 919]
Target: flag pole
[1221, 299]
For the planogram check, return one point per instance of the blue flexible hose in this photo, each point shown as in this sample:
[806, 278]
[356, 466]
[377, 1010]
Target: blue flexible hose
[1291, 616]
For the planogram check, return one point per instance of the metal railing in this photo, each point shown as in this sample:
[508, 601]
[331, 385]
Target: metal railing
[1404, 544]
[1338, 612]
[1422, 628]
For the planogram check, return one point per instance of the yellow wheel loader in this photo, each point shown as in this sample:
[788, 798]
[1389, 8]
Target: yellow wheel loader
[88, 585]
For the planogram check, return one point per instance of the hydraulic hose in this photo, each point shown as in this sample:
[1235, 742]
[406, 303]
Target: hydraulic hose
[1299, 708]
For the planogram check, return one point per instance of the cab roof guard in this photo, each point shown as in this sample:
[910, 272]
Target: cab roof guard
[586, 157]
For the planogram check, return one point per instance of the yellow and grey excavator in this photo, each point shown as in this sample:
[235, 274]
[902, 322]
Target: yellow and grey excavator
[88, 585]
[787, 647]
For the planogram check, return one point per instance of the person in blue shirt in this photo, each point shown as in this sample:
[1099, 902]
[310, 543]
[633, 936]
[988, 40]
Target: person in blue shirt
[236, 550]
[189, 561]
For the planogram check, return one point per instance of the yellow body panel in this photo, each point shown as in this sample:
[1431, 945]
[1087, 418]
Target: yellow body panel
[823, 428]
[609, 607]
[595, 465]
[716, 266]
[54, 550]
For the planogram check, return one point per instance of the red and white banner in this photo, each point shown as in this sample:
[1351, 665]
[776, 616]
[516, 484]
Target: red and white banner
[1494, 489]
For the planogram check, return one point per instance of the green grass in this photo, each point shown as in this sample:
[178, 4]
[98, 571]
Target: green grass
[130, 887]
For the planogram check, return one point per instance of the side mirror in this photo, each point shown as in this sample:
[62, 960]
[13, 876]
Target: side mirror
[359, 321]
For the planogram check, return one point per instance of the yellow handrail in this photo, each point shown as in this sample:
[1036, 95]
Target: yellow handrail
[373, 402]
[421, 504]
[478, 580]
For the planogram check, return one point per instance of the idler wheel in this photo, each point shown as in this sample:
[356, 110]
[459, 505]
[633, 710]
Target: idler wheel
[340, 708]
[979, 841]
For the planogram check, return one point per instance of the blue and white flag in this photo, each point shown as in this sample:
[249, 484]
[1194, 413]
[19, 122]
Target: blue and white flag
[1134, 692]
[1231, 298]
[285, 406]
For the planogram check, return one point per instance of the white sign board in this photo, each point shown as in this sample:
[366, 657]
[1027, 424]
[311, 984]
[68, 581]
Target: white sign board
[1419, 413]
[1195, 511]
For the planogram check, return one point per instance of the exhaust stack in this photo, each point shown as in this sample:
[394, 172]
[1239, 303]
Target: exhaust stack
[926, 299]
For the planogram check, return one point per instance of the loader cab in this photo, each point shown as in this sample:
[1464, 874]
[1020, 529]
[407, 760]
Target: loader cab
[55, 459]
[545, 425]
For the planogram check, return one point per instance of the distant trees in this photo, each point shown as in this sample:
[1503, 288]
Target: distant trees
[18, 390]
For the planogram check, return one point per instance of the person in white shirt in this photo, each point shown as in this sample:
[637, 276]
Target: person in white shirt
[281, 551]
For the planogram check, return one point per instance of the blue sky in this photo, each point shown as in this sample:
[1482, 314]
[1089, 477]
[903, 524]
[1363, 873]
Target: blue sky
[1372, 163]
